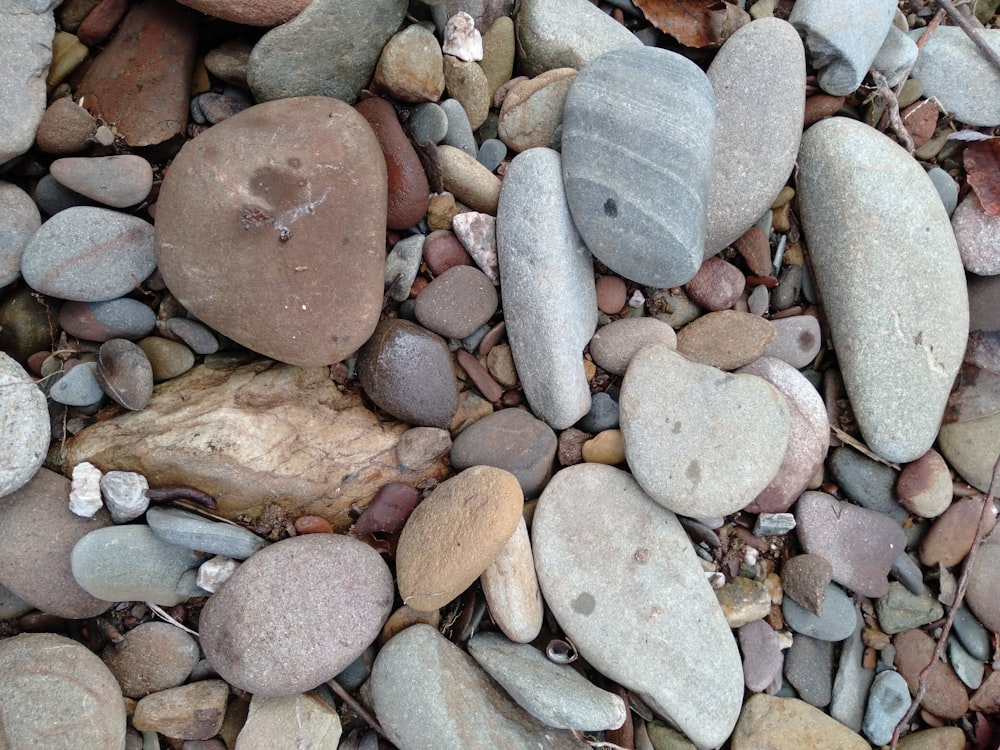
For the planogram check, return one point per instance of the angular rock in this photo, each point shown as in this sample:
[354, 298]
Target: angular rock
[511, 589]
[533, 109]
[805, 579]
[743, 600]
[900, 609]
[594, 527]
[726, 339]
[19, 220]
[457, 302]
[410, 66]
[24, 423]
[153, 656]
[187, 712]
[289, 723]
[898, 356]
[772, 723]
[956, 73]
[315, 198]
[116, 181]
[638, 136]
[26, 32]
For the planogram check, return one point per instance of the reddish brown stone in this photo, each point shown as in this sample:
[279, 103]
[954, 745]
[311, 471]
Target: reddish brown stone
[920, 119]
[101, 21]
[409, 192]
[313, 525]
[946, 695]
[717, 285]
[611, 294]
[250, 12]
[442, 250]
[950, 537]
[66, 128]
[819, 107]
[480, 376]
[388, 510]
[756, 251]
[140, 82]
[987, 698]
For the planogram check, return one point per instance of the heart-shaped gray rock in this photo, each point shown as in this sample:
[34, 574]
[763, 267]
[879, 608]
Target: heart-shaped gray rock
[700, 441]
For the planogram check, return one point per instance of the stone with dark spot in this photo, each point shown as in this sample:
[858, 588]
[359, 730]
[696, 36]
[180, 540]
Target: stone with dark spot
[278, 243]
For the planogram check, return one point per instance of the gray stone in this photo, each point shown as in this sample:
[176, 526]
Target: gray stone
[762, 656]
[835, 623]
[78, 387]
[758, 77]
[547, 288]
[555, 694]
[603, 414]
[853, 679]
[457, 303]
[593, 528]
[637, 143]
[887, 704]
[491, 153]
[129, 563]
[843, 38]
[117, 181]
[12, 605]
[565, 34]
[511, 588]
[122, 318]
[972, 634]
[809, 668]
[26, 32]
[459, 130]
[295, 59]
[700, 441]
[983, 595]
[968, 668]
[798, 340]
[24, 423]
[19, 219]
[946, 186]
[58, 695]
[897, 353]
[52, 197]
[971, 448]
[866, 482]
[901, 609]
[977, 235]
[955, 73]
[614, 344]
[429, 123]
[908, 572]
[896, 56]
[402, 265]
[152, 656]
[773, 523]
[197, 336]
[186, 529]
[89, 254]
[289, 723]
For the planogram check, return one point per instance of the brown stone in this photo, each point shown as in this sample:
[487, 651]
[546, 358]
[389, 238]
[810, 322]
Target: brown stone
[942, 738]
[726, 339]
[805, 579]
[411, 66]
[250, 12]
[66, 128]
[987, 698]
[468, 180]
[325, 451]
[717, 285]
[756, 251]
[821, 106]
[950, 537]
[442, 250]
[772, 723]
[188, 712]
[533, 109]
[946, 695]
[279, 243]
[312, 525]
[101, 21]
[924, 486]
[466, 82]
[983, 593]
[611, 294]
[479, 375]
[920, 119]
[140, 82]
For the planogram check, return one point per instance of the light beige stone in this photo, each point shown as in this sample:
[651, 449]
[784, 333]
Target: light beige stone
[771, 723]
[511, 589]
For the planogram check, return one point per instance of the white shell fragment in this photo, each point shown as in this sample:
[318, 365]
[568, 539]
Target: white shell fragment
[462, 39]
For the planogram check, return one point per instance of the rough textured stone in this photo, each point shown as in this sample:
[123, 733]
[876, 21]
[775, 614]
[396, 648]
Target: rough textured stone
[187, 712]
[26, 33]
[289, 723]
[66, 128]
[835, 621]
[900, 609]
[976, 233]
[940, 738]
[772, 723]
[153, 656]
[805, 579]
[24, 423]
[410, 66]
[614, 344]
[457, 302]
[19, 220]
[316, 198]
[533, 109]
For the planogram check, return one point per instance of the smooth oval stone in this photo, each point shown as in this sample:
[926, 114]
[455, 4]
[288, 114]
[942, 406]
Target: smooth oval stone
[809, 669]
[89, 254]
[427, 692]
[198, 337]
[152, 656]
[458, 132]
[228, 61]
[614, 344]
[250, 12]
[976, 233]
[307, 212]
[78, 386]
[852, 681]
[762, 656]
[970, 448]
[457, 302]
[835, 622]
[798, 340]
[593, 528]
[758, 77]
[442, 250]
[58, 695]
[511, 589]
[772, 723]
[453, 535]
[288, 723]
[37, 535]
[406, 370]
[52, 197]
[603, 414]
[293, 60]
[982, 595]
[940, 738]
[946, 695]
[638, 137]
[547, 288]
[717, 285]
[167, 358]
[468, 180]
[555, 694]
[726, 339]
[19, 220]
[492, 153]
[952, 534]
[690, 439]
[296, 614]
[428, 123]
[466, 82]
[195, 532]
[122, 318]
[410, 66]
[117, 181]
[125, 373]
[866, 482]
[897, 354]
[24, 423]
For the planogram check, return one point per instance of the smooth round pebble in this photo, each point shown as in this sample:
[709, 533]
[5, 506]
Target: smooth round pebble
[19, 220]
[117, 181]
[613, 345]
[167, 358]
[78, 386]
[924, 486]
[197, 336]
[24, 423]
[511, 589]
[410, 66]
[887, 704]
[153, 656]
[122, 318]
[726, 339]
[125, 373]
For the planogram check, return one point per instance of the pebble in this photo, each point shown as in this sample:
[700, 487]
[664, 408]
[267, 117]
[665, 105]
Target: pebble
[66, 128]
[291, 180]
[946, 696]
[555, 694]
[717, 285]
[758, 76]
[52, 197]
[887, 704]
[852, 681]
[976, 233]
[407, 371]
[187, 712]
[498, 52]
[950, 537]
[116, 181]
[982, 595]
[611, 294]
[754, 247]
[229, 60]
[606, 447]
[296, 614]
[468, 180]
[122, 318]
[770, 524]
[410, 66]
[459, 130]
[900, 609]
[419, 446]
[968, 668]
[798, 340]
[666, 401]
[809, 669]
[954, 72]
[947, 189]
[908, 572]
[939, 738]
[510, 439]
[125, 373]
[619, 171]
[402, 266]
[37, 535]
[129, 563]
[217, 570]
[428, 123]
[466, 82]
[24, 422]
[547, 289]
[970, 448]
[593, 528]
[860, 544]
[772, 723]
[533, 109]
[457, 302]
[835, 622]
[189, 530]
[726, 339]
[167, 358]
[58, 694]
[805, 579]
[843, 41]
[427, 692]
[89, 254]
[866, 482]
[808, 437]
[477, 233]
[511, 589]
[924, 487]
[481, 507]
[19, 220]
[250, 12]
[762, 656]
[491, 154]
[141, 80]
[613, 345]
[442, 251]
[289, 723]
[26, 33]
[85, 490]
[153, 656]
[743, 600]
[896, 55]
[12, 606]
[462, 39]
[973, 636]
[897, 387]
[603, 414]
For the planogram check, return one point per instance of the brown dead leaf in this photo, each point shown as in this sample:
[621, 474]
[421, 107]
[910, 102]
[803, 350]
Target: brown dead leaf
[695, 23]
[982, 165]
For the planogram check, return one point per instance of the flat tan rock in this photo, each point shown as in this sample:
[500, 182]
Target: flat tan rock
[771, 723]
[726, 339]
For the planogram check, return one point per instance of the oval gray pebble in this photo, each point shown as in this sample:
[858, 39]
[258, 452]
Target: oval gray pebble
[78, 386]
[835, 623]
[457, 302]
[194, 532]
[122, 318]
[117, 181]
[125, 373]
[196, 335]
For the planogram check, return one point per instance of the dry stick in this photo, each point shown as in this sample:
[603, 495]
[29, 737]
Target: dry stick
[356, 707]
[883, 90]
[959, 596]
[971, 31]
[596, 743]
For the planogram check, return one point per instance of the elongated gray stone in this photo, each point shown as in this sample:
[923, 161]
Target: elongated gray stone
[191, 531]
[759, 80]
[594, 528]
[638, 140]
[953, 71]
[887, 704]
[851, 683]
[26, 31]
[547, 287]
[887, 266]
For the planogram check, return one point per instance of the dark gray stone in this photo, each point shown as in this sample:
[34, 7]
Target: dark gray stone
[908, 572]
[78, 387]
[459, 129]
[603, 414]
[867, 483]
[186, 529]
[972, 634]
[122, 318]
[887, 704]
[492, 151]
[850, 686]
[809, 668]
[835, 622]
[429, 123]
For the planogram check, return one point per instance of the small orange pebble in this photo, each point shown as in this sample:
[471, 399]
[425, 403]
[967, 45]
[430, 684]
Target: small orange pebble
[870, 659]
[312, 525]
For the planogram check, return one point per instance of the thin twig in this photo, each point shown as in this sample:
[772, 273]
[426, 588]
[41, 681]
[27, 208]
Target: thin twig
[963, 583]
[160, 612]
[861, 447]
[596, 743]
[356, 707]
[885, 92]
[971, 31]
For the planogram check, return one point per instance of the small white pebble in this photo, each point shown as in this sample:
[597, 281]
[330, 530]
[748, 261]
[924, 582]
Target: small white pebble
[85, 490]
[215, 572]
[716, 580]
[750, 556]
[784, 639]
[104, 135]
[637, 300]
[462, 39]
[125, 495]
